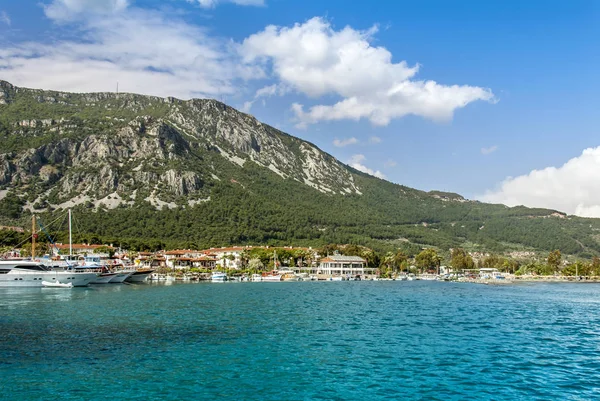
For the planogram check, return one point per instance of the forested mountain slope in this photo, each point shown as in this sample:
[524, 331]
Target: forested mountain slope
[157, 172]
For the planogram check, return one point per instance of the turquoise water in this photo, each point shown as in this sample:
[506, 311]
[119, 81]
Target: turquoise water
[301, 341]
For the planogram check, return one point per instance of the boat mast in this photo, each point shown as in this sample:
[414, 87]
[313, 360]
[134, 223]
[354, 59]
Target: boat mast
[70, 237]
[33, 235]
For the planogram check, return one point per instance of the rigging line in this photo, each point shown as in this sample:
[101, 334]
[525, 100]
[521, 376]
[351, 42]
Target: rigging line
[50, 239]
[54, 221]
[77, 227]
[21, 243]
[66, 215]
[47, 233]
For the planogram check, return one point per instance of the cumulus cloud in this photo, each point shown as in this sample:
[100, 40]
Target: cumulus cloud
[573, 188]
[316, 60]
[340, 143]
[65, 10]
[214, 3]
[356, 161]
[487, 151]
[374, 139]
[4, 18]
[146, 52]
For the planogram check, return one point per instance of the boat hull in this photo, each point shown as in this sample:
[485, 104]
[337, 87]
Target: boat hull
[34, 279]
[271, 278]
[139, 277]
[120, 277]
[103, 278]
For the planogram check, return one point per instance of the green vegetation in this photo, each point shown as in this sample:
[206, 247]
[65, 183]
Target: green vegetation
[250, 204]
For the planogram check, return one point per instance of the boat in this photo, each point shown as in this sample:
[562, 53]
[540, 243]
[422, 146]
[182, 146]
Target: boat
[256, 277]
[27, 273]
[31, 273]
[120, 276]
[104, 278]
[139, 275]
[218, 277]
[336, 278]
[288, 274]
[271, 276]
[56, 284]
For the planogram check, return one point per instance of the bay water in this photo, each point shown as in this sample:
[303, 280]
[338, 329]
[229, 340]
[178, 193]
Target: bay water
[382, 340]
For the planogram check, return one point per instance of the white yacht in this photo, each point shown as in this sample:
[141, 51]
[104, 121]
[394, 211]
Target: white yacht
[26, 273]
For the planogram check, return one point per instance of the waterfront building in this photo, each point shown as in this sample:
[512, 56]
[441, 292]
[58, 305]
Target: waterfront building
[227, 257]
[340, 265]
[181, 258]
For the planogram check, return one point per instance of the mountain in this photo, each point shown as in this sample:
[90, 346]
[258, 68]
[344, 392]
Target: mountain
[161, 172]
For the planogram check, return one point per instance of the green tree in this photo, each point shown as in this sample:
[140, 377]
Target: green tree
[554, 259]
[255, 265]
[461, 260]
[428, 259]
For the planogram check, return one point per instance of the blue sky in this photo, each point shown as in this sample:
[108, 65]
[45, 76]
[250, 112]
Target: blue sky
[495, 100]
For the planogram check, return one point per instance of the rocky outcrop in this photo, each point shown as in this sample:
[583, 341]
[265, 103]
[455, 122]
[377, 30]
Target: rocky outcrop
[162, 147]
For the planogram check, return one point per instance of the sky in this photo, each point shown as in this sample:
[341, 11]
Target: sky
[496, 100]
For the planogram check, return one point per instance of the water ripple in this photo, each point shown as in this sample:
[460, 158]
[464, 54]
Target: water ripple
[302, 341]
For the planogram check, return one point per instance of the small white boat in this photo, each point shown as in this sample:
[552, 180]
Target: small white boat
[256, 277]
[218, 277]
[336, 278]
[56, 284]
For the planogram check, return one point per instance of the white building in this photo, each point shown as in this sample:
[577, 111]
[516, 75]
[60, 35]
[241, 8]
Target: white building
[339, 265]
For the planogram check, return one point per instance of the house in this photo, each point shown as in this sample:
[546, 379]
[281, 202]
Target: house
[227, 257]
[340, 265]
[150, 260]
[181, 258]
[204, 262]
[84, 249]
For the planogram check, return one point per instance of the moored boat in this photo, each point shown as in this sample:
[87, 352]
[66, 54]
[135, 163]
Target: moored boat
[120, 276]
[218, 277]
[139, 275]
[271, 276]
[288, 275]
[103, 278]
[24, 273]
[56, 284]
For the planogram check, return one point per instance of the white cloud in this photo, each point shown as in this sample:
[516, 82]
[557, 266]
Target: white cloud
[374, 139]
[214, 3]
[390, 163]
[356, 161]
[146, 52]
[340, 143]
[65, 10]
[4, 18]
[316, 60]
[573, 188]
[266, 91]
[487, 151]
